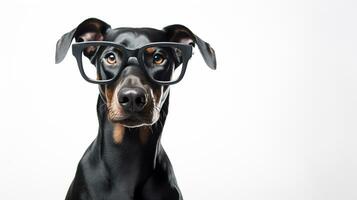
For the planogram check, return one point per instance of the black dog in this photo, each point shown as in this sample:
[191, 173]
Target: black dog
[127, 161]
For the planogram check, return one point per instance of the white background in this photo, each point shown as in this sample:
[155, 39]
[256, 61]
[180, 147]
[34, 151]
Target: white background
[276, 120]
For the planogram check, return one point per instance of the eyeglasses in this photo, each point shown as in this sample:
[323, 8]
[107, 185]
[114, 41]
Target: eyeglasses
[101, 62]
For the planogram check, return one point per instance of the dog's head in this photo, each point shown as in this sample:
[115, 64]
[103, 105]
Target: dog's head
[133, 66]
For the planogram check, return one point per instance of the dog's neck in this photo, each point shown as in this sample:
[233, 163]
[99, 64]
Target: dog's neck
[129, 148]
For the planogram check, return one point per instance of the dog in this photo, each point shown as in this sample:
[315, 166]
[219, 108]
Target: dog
[134, 68]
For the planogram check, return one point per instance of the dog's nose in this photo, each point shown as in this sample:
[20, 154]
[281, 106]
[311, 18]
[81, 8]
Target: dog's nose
[132, 99]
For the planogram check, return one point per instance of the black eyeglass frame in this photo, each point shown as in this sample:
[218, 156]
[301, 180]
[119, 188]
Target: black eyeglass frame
[78, 48]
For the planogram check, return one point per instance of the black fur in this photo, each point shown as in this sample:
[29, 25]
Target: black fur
[131, 170]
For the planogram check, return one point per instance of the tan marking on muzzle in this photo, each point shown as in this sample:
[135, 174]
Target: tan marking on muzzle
[109, 91]
[118, 133]
[112, 101]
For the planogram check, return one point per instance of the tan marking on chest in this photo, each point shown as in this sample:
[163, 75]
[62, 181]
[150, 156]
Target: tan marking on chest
[144, 134]
[118, 133]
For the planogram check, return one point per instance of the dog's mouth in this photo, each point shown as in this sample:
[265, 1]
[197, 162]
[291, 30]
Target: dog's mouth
[131, 123]
[132, 120]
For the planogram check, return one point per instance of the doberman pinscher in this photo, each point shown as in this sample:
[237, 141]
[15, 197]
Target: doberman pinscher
[134, 68]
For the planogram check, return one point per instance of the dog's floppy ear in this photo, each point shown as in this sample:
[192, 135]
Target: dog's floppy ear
[91, 29]
[181, 34]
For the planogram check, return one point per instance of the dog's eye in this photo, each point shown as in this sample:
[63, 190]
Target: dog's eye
[158, 59]
[110, 58]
